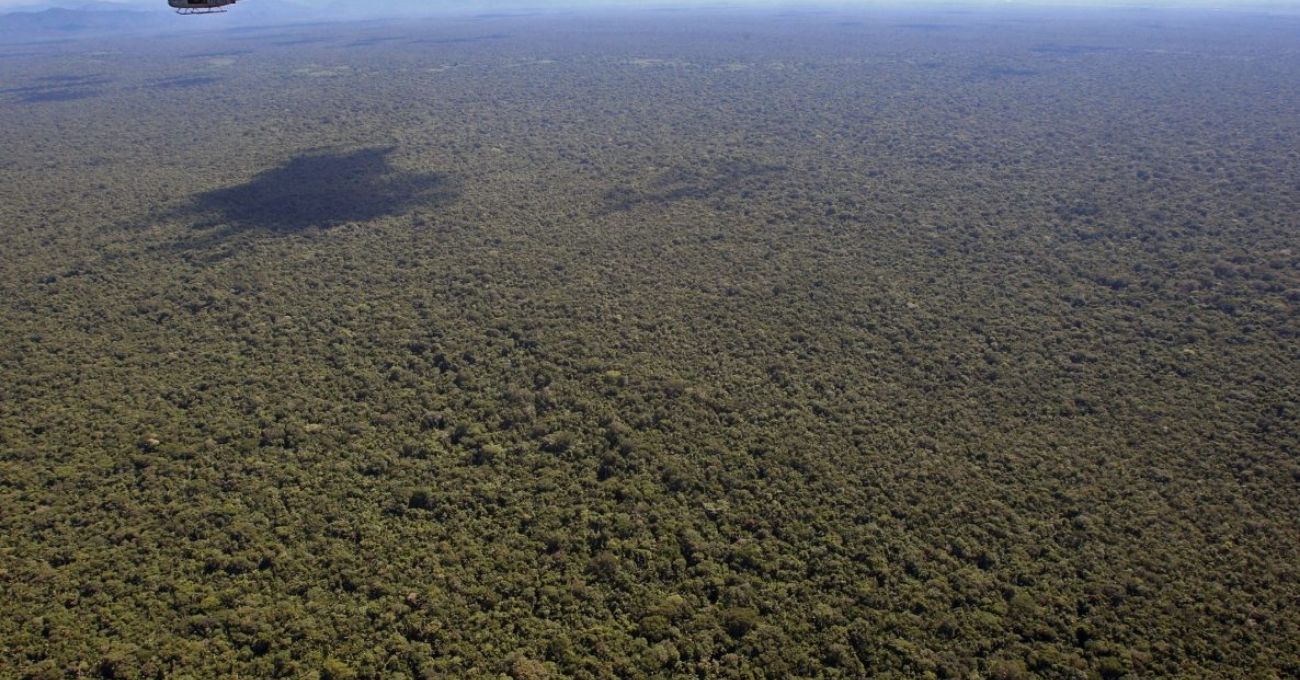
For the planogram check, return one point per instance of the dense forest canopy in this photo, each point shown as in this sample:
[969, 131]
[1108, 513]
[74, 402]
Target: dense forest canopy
[708, 344]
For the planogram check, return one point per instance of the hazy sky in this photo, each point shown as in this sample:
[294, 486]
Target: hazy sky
[476, 4]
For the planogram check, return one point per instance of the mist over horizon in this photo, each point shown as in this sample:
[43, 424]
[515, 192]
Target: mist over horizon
[25, 21]
[404, 7]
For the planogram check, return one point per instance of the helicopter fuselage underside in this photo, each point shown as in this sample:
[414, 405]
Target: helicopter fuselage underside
[200, 6]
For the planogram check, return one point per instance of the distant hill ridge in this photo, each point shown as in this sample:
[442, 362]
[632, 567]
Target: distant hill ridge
[69, 19]
[61, 20]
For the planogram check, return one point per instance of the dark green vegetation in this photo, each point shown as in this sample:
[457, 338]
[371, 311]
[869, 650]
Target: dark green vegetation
[936, 346]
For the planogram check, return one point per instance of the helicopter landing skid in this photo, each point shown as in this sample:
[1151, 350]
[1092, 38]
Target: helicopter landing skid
[201, 10]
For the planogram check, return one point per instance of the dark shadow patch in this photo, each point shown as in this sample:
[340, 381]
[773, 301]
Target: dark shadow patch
[217, 54]
[283, 38]
[370, 42]
[460, 41]
[504, 15]
[927, 27]
[816, 12]
[318, 191]
[1068, 50]
[71, 79]
[54, 83]
[987, 73]
[58, 96]
[305, 40]
[47, 42]
[183, 82]
[280, 29]
[723, 184]
[62, 88]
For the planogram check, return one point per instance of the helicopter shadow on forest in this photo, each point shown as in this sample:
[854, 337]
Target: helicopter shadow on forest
[301, 40]
[182, 82]
[521, 14]
[460, 40]
[286, 38]
[925, 26]
[313, 192]
[991, 72]
[718, 183]
[371, 42]
[59, 88]
[218, 53]
[1060, 50]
